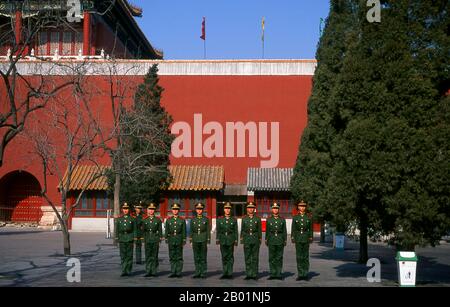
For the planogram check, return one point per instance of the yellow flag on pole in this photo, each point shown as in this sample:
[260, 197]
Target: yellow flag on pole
[262, 25]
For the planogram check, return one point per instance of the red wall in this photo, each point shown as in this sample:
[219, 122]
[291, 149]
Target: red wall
[218, 98]
[241, 98]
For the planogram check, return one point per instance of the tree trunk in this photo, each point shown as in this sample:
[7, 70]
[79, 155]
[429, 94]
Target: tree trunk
[363, 247]
[66, 239]
[116, 205]
[322, 232]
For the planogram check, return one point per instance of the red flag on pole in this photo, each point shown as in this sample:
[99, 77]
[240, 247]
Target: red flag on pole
[203, 37]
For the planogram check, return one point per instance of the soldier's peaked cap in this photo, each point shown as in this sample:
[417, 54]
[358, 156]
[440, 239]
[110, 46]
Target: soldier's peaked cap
[125, 206]
[151, 206]
[227, 205]
[251, 205]
[275, 206]
[302, 203]
[199, 206]
[176, 206]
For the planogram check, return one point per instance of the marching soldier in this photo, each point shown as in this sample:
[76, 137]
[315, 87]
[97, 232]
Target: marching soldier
[200, 237]
[139, 216]
[251, 235]
[227, 237]
[276, 236]
[125, 234]
[302, 236]
[176, 239]
[153, 234]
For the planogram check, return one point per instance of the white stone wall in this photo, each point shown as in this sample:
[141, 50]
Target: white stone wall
[169, 68]
[81, 224]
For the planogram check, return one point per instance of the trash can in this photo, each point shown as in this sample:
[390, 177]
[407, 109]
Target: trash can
[339, 241]
[407, 264]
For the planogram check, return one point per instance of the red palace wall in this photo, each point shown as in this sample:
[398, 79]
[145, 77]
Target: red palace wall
[257, 99]
[222, 99]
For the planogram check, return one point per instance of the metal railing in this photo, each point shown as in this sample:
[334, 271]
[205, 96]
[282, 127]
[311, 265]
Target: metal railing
[108, 226]
[56, 56]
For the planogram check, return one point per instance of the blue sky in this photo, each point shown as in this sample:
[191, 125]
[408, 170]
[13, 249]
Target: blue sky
[233, 27]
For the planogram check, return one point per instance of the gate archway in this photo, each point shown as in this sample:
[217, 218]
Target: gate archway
[20, 199]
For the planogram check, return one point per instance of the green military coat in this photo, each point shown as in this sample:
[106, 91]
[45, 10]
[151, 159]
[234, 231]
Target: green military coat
[139, 218]
[152, 229]
[251, 230]
[276, 233]
[175, 230]
[200, 230]
[302, 231]
[126, 228]
[227, 231]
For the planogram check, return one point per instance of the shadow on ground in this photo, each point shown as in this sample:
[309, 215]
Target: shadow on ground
[18, 276]
[14, 233]
[432, 272]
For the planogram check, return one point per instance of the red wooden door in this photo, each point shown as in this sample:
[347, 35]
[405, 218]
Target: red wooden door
[23, 198]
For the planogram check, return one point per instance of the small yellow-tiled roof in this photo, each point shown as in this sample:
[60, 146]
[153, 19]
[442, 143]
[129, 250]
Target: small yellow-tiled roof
[196, 177]
[91, 176]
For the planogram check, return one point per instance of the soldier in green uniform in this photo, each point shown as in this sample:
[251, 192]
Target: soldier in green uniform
[125, 234]
[227, 237]
[276, 236]
[251, 236]
[176, 239]
[153, 234]
[302, 236]
[200, 236]
[139, 216]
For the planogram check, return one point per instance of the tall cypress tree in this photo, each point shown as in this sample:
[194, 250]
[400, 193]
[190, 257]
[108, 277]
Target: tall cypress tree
[314, 162]
[419, 203]
[389, 103]
[379, 98]
[146, 143]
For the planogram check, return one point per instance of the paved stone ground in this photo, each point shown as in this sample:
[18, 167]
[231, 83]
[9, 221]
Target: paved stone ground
[34, 258]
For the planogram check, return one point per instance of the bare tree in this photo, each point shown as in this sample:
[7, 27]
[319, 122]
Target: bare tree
[22, 95]
[119, 92]
[64, 139]
[130, 122]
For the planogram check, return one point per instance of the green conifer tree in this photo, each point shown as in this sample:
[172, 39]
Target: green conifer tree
[146, 144]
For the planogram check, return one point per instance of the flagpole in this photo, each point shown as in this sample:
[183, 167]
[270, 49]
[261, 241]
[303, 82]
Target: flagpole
[262, 36]
[263, 49]
[203, 37]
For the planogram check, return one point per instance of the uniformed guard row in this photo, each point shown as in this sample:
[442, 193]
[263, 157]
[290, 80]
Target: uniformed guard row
[148, 231]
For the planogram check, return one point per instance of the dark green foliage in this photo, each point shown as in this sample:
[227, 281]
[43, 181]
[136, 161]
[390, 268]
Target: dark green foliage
[374, 150]
[314, 161]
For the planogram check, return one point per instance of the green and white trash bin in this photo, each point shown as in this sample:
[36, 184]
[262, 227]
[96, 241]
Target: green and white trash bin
[407, 267]
[339, 241]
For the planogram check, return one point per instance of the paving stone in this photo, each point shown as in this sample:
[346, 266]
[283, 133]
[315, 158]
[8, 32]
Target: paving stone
[30, 257]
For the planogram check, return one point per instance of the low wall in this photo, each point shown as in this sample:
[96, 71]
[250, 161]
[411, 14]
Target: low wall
[81, 224]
